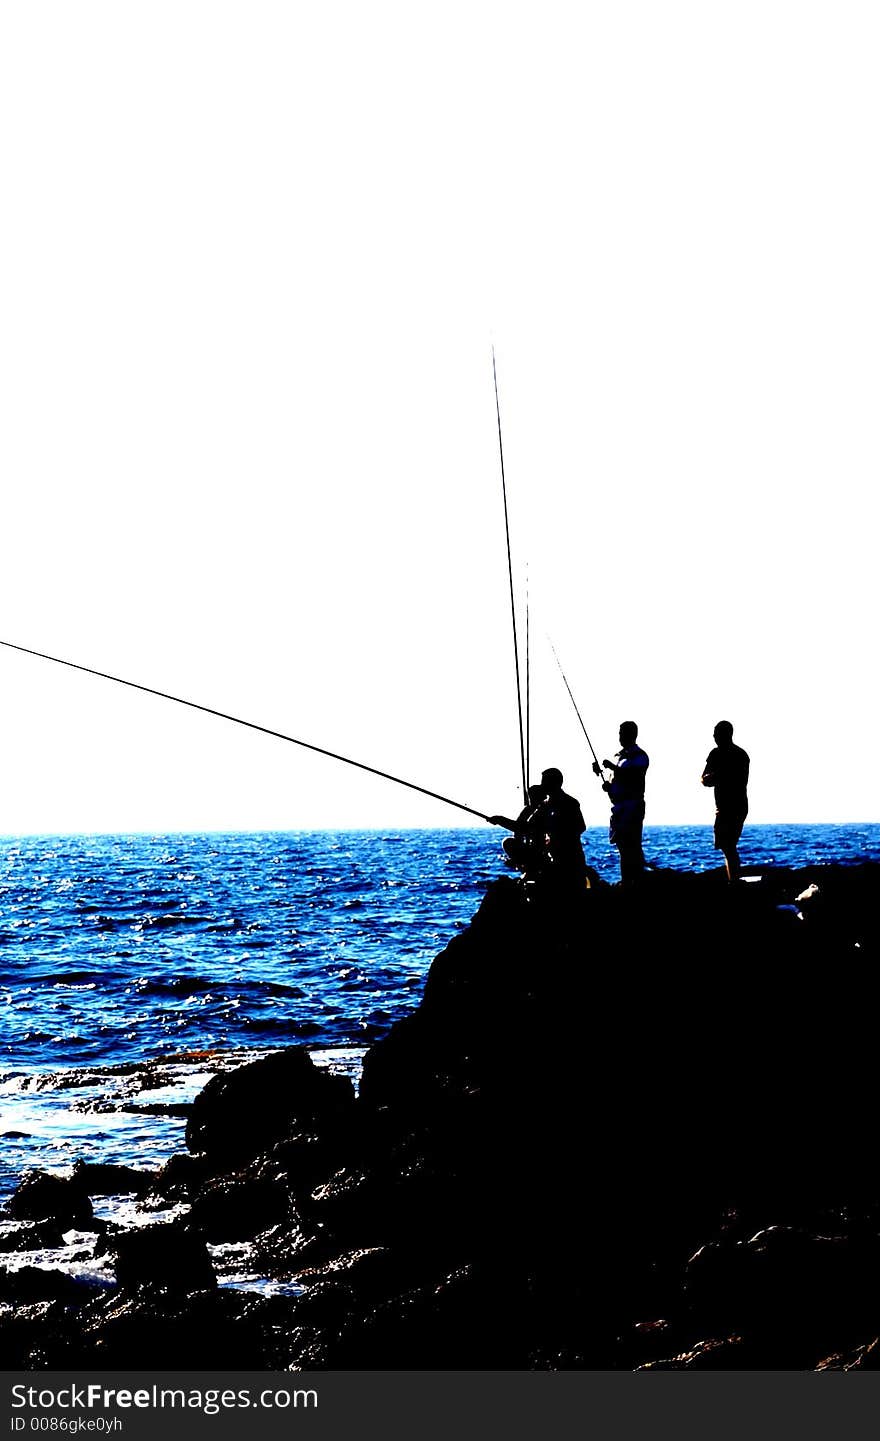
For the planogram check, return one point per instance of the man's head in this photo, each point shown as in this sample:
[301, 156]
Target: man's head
[723, 733]
[551, 781]
[628, 732]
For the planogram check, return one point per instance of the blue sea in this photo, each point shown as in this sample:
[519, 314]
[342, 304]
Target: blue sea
[132, 967]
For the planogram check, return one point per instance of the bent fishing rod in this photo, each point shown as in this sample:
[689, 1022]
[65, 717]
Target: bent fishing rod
[251, 725]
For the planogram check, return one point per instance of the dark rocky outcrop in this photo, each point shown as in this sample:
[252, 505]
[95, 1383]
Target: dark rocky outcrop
[41, 1318]
[242, 1113]
[171, 1258]
[180, 1178]
[237, 1208]
[41, 1196]
[32, 1236]
[623, 1130]
[174, 1330]
[34, 1283]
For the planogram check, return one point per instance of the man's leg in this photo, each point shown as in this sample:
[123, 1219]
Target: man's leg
[632, 862]
[731, 861]
[728, 830]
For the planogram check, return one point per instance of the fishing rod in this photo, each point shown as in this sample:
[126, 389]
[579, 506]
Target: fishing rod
[528, 713]
[573, 701]
[251, 725]
[519, 705]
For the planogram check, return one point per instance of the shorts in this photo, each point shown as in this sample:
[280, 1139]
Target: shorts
[728, 829]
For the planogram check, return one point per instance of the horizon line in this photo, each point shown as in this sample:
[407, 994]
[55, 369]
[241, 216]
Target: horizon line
[387, 830]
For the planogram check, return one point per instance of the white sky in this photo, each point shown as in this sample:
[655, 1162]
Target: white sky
[254, 258]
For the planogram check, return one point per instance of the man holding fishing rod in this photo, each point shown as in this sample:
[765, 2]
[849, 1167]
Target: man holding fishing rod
[525, 848]
[546, 840]
[626, 791]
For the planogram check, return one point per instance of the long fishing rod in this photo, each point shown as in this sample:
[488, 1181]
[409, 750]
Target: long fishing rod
[528, 710]
[573, 701]
[251, 725]
[519, 705]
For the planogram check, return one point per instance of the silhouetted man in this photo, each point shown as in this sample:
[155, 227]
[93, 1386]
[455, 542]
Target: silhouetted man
[626, 790]
[525, 849]
[727, 769]
[552, 833]
[563, 825]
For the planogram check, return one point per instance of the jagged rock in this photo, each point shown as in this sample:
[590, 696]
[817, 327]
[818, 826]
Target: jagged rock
[167, 1257]
[243, 1112]
[180, 1177]
[371, 1274]
[863, 1358]
[209, 1330]
[41, 1196]
[305, 1160]
[449, 1325]
[789, 1290]
[237, 1209]
[39, 1336]
[281, 1252]
[109, 1180]
[32, 1236]
[34, 1283]
[719, 1353]
[417, 1205]
[324, 1304]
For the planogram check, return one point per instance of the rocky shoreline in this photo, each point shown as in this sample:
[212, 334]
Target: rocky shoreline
[630, 1131]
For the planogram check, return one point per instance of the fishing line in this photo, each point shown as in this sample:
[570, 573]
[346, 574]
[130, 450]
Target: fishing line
[251, 725]
[573, 701]
[519, 705]
[528, 709]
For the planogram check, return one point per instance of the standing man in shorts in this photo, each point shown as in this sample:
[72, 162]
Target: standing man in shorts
[727, 769]
[626, 791]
